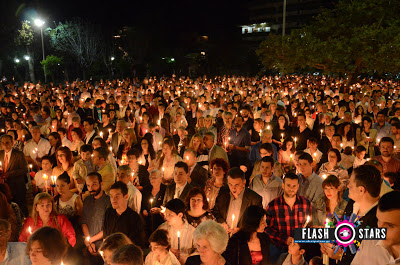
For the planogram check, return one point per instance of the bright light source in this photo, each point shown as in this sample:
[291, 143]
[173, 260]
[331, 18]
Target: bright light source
[26, 57]
[203, 53]
[38, 22]
[16, 60]
[112, 58]
[172, 59]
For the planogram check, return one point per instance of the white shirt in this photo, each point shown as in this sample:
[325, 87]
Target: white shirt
[374, 252]
[88, 136]
[66, 142]
[134, 198]
[43, 148]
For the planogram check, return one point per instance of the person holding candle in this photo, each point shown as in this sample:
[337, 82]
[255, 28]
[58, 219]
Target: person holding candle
[197, 210]
[366, 136]
[250, 245]
[44, 213]
[281, 132]
[13, 171]
[198, 175]
[103, 167]
[222, 139]
[83, 166]
[160, 244]
[333, 167]
[143, 127]
[284, 214]
[111, 244]
[46, 246]
[36, 147]
[301, 131]
[167, 160]
[201, 154]
[347, 133]
[147, 154]
[140, 177]
[331, 203]
[106, 127]
[234, 201]
[94, 208]
[38, 183]
[285, 155]
[76, 142]
[180, 188]
[182, 246]
[129, 142]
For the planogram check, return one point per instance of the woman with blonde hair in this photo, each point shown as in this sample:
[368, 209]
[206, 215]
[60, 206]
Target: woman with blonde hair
[197, 144]
[44, 213]
[129, 141]
[65, 164]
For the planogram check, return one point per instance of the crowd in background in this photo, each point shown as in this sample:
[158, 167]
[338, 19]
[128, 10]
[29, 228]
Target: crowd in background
[197, 171]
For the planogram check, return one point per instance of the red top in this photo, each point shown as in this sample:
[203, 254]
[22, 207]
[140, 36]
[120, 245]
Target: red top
[256, 257]
[64, 225]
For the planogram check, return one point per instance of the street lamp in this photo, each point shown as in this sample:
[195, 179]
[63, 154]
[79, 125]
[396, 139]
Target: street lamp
[16, 60]
[39, 23]
[26, 57]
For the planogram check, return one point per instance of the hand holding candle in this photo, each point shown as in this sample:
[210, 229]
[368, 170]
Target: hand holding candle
[179, 241]
[306, 223]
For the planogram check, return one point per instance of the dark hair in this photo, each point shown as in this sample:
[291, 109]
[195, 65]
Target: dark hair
[114, 241]
[63, 130]
[284, 148]
[95, 174]
[133, 152]
[332, 181]
[394, 179]
[386, 140]
[90, 121]
[268, 159]
[64, 177]
[149, 138]
[128, 255]
[312, 140]
[350, 133]
[307, 157]
[119, 185]
[56, 136]
[316, 261]
[52, 241]
[103, 152]
[48, 158]
[390, 201]
[193, 192]
[251, 220]
[365, 118]
[337, 153]
[220, 162]
[268, 147]
[87, 148]
[337, 135]
[368, 177]
[176, 205]
[183, 165]
[78, 131]
[236, 173]
[360, 149]
[102, 142]
[161, 237]
[290, 176]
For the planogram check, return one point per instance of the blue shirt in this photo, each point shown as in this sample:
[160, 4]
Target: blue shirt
[16, 254]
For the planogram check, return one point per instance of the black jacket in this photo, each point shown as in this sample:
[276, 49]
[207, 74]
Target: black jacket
[238, 251]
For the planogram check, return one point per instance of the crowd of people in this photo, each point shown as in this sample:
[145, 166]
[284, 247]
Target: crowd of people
[170, 171]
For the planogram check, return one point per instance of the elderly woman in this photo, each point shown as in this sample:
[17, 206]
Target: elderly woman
[46, 246]
[160, 243]
[211, 240]
[197, 210]
[333, 167]
[250, 245]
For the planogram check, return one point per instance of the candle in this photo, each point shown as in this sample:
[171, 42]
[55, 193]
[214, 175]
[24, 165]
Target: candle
[30, 230]
[233, 219]
[268, 127]
[325, 258]
[187, 158]
[282, 137]
[324, 176]
[179, 241]
[321, 133]
[151, 203]
[101, 134]
[307, 221]
[45, 181]
[295, 142]
[90, 245]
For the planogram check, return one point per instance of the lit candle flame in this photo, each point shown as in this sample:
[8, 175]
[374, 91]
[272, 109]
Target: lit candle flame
[30, 230]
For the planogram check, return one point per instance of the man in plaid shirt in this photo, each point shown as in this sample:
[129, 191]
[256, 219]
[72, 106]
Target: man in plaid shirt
[285, 214]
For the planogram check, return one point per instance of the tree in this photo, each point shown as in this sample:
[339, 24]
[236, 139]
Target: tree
[356, 36]
[25, 38]
[80, 39]
[51, 64]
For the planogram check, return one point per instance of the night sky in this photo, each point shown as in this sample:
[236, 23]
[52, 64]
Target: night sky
[210, 17]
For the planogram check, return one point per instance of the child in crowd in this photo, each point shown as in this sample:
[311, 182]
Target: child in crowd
[83, 167]
[295, 255]
[360, 154]
[39, 182]
[347, 157]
